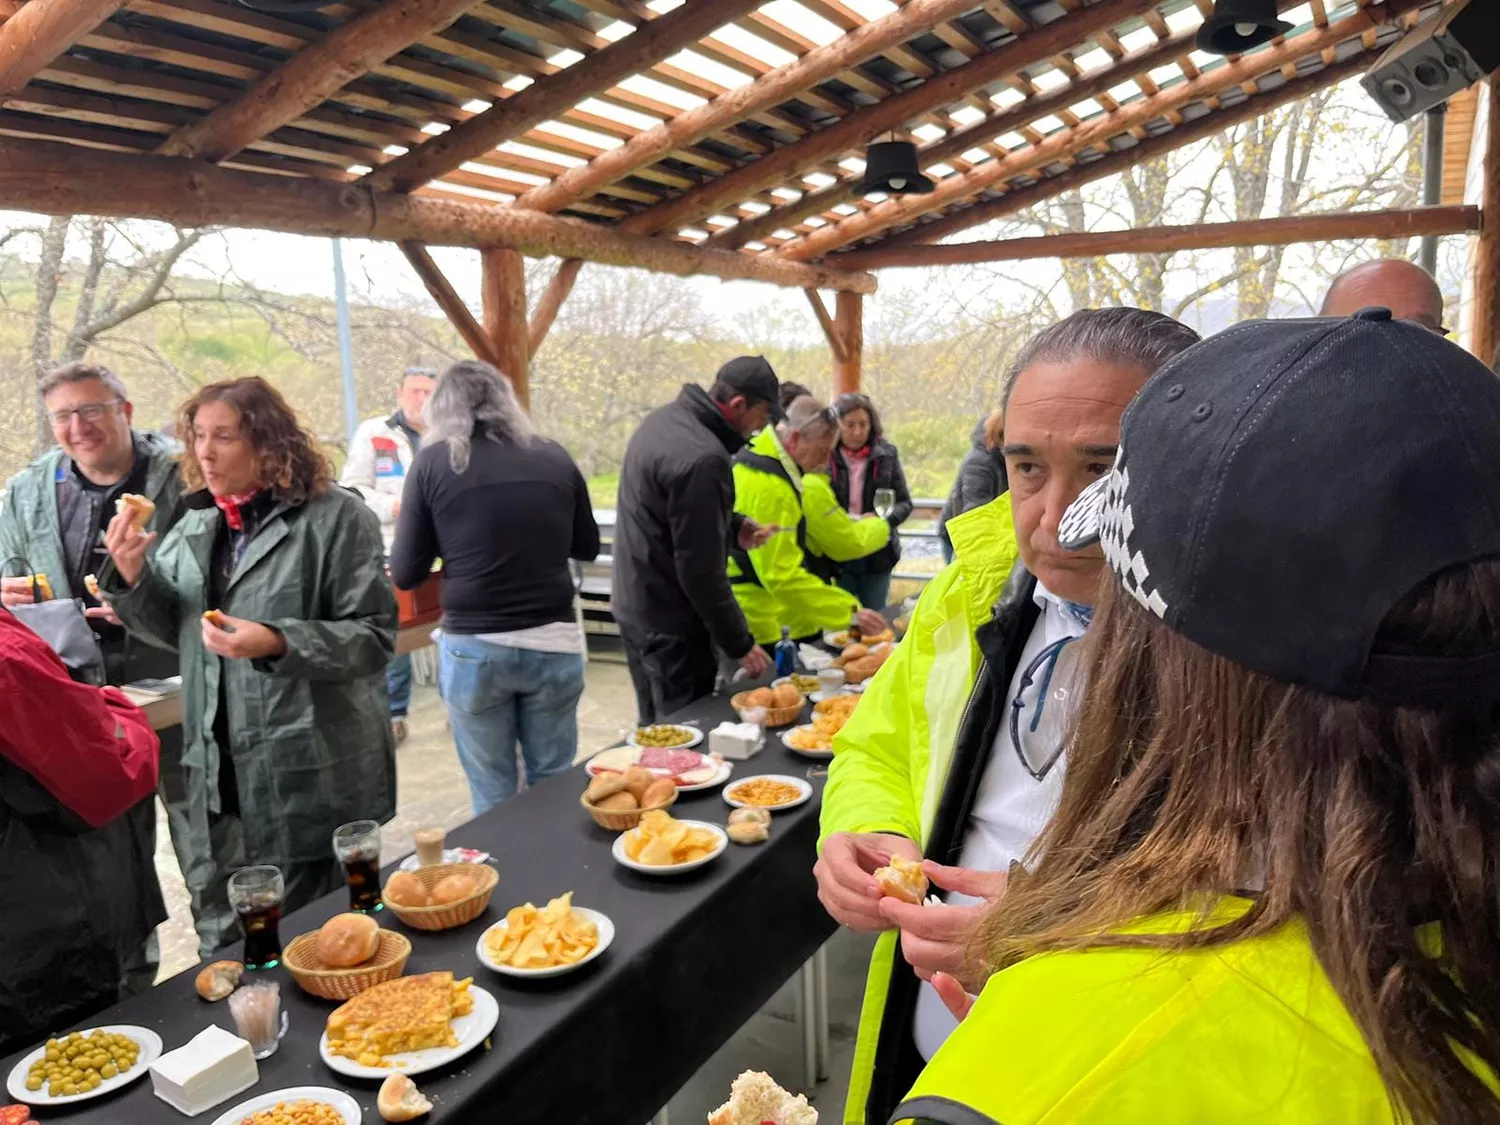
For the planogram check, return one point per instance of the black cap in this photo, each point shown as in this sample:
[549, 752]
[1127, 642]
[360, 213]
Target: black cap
[753, 377]
[1281, 486]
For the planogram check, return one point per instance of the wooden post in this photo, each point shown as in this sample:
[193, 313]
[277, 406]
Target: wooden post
[450, 302]
[1486, 318]
[552, 302]
[850, 321]
[504, 299]
[831, 330]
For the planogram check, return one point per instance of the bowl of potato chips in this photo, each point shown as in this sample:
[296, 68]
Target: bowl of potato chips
[546, 941]
[662, 845]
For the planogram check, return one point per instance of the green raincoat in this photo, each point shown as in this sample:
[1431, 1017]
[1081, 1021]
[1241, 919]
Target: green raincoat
[309, 733]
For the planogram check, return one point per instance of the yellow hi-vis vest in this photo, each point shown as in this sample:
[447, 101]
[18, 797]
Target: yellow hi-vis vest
[1248, 1033]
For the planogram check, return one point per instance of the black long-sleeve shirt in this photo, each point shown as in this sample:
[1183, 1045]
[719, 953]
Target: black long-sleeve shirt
[505, 529]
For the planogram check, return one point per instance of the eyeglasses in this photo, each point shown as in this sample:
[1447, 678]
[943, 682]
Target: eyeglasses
[1036, 731]
[429, 372]
[87, 414]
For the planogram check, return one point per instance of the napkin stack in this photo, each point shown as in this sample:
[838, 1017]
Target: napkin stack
[209, 1068]
[735, 741]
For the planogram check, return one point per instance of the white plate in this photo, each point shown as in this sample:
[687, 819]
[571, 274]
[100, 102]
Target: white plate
[348, 1108]
[719, 778]
[803, 787]
[676, 869]
[697, 737]
[788, 680]
[836, 638]
[606, 935]
[150, 1051]
[846, 689]
[818, 755]
[470, 1029]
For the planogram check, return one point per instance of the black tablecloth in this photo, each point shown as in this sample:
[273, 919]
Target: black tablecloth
[694, 956]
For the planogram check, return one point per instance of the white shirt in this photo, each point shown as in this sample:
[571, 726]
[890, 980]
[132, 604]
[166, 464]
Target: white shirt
[556, 636]
[1012, 805]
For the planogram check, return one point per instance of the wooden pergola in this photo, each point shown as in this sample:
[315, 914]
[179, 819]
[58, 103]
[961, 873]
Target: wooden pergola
[717, 137]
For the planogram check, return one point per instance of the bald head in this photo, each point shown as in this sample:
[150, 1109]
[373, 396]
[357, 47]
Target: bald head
[1403, 287]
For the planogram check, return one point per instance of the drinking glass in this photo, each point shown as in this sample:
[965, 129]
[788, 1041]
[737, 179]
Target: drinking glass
[256, 893]
[885, 500]
[357, 844]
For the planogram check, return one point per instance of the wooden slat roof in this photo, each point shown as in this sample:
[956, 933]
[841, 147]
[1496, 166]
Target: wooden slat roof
[1011, 100]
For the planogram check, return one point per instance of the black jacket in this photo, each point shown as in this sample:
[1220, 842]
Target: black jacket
[882, 471]
[505, 529]
[981, 478]
[674, 525]
[1001, 641]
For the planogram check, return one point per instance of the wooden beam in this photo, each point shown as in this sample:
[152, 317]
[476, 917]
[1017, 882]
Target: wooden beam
[831, 331]
[1096, 132]
[771, 89]
[555, 93]
[40, 31]
[552, 301]
[1202, 236]
[314, 73]
[450, 302]
[61, 179]
[863, 125]
[503, 289]
[850, 315]
[1486, 322]
[1211, 125]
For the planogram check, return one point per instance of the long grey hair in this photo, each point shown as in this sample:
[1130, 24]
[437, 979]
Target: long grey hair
[473, 394]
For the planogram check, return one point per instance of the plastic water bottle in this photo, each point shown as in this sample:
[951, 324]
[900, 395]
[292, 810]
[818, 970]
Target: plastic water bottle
[786, 653]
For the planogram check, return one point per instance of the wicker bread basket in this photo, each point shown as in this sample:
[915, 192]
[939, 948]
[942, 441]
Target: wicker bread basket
[622, 820]
[458, 913]
[301, 960]
[775, 716]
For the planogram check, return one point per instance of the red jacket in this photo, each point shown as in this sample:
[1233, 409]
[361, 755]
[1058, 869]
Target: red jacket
[91, 748]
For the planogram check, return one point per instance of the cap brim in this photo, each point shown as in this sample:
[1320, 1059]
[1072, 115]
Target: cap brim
[777, 414]
[1080, 523]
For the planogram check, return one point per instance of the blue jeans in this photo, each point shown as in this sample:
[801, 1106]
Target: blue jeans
[498, 696]
[871, 585]
[398, 684]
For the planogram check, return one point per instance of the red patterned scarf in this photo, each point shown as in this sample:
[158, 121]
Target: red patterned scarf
[231, 505]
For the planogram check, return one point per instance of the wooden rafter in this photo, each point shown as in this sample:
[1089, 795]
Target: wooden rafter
[542, 100]
[552, 301]
[1019, 199]
[42, 30]
[1096, 132]
[831, 330]
[62, 179]
[867, 123]
[777, 86]
[1201, 236]
[447, 299]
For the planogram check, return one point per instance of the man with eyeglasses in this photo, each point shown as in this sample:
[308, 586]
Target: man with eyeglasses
[955, 755]
[1404, 287]
[52, 522]
[379, 456]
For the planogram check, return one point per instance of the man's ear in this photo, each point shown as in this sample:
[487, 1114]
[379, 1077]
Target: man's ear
[129, 411]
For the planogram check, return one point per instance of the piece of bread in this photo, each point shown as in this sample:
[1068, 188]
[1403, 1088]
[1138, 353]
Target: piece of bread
[785, 695]
[748, 832]
[216, 618]
[405, 889]
[903, 879]
[637, 781]
[617, 802]
[347, 940]
[400, 1100]
[761, 697]
[750, 816]
[140, 509]
[452, 888]
[218, 980]
[659, 792]
[755, 1099]
[43, 587]
[604, 785]
[91, 584]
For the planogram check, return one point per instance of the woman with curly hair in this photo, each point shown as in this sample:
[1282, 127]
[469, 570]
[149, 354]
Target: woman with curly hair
[283, 684]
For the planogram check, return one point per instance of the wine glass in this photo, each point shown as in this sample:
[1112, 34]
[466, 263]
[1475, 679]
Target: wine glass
[885, 500]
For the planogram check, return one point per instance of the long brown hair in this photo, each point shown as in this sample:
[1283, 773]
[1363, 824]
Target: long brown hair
[1190, 776]
[291, 464]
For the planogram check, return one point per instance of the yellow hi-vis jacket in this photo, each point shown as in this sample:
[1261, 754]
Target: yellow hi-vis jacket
[1248, 1032]
[772, 583]
[891, 759]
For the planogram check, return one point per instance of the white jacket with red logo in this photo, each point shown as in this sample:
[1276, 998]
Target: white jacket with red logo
[379, 457]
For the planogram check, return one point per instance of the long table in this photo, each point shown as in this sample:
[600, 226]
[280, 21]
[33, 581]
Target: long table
[693, 958]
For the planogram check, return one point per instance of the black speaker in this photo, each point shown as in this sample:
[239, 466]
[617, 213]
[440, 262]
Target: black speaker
[1238, 25]
[1447, 54]
[891, 167]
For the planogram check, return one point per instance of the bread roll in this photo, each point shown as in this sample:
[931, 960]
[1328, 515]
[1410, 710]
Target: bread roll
[659, 792]
[750, 816]
[405, 889]
[91, 584]
[400, 1100]
[451, 888]
[761, 697]
[218, 980]
[617, 802]
[785, 695]
[903, 879]
[140, 509]
[854, 652]
[748, 831]
[637, 781]
[347, 940]
[604, 785]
